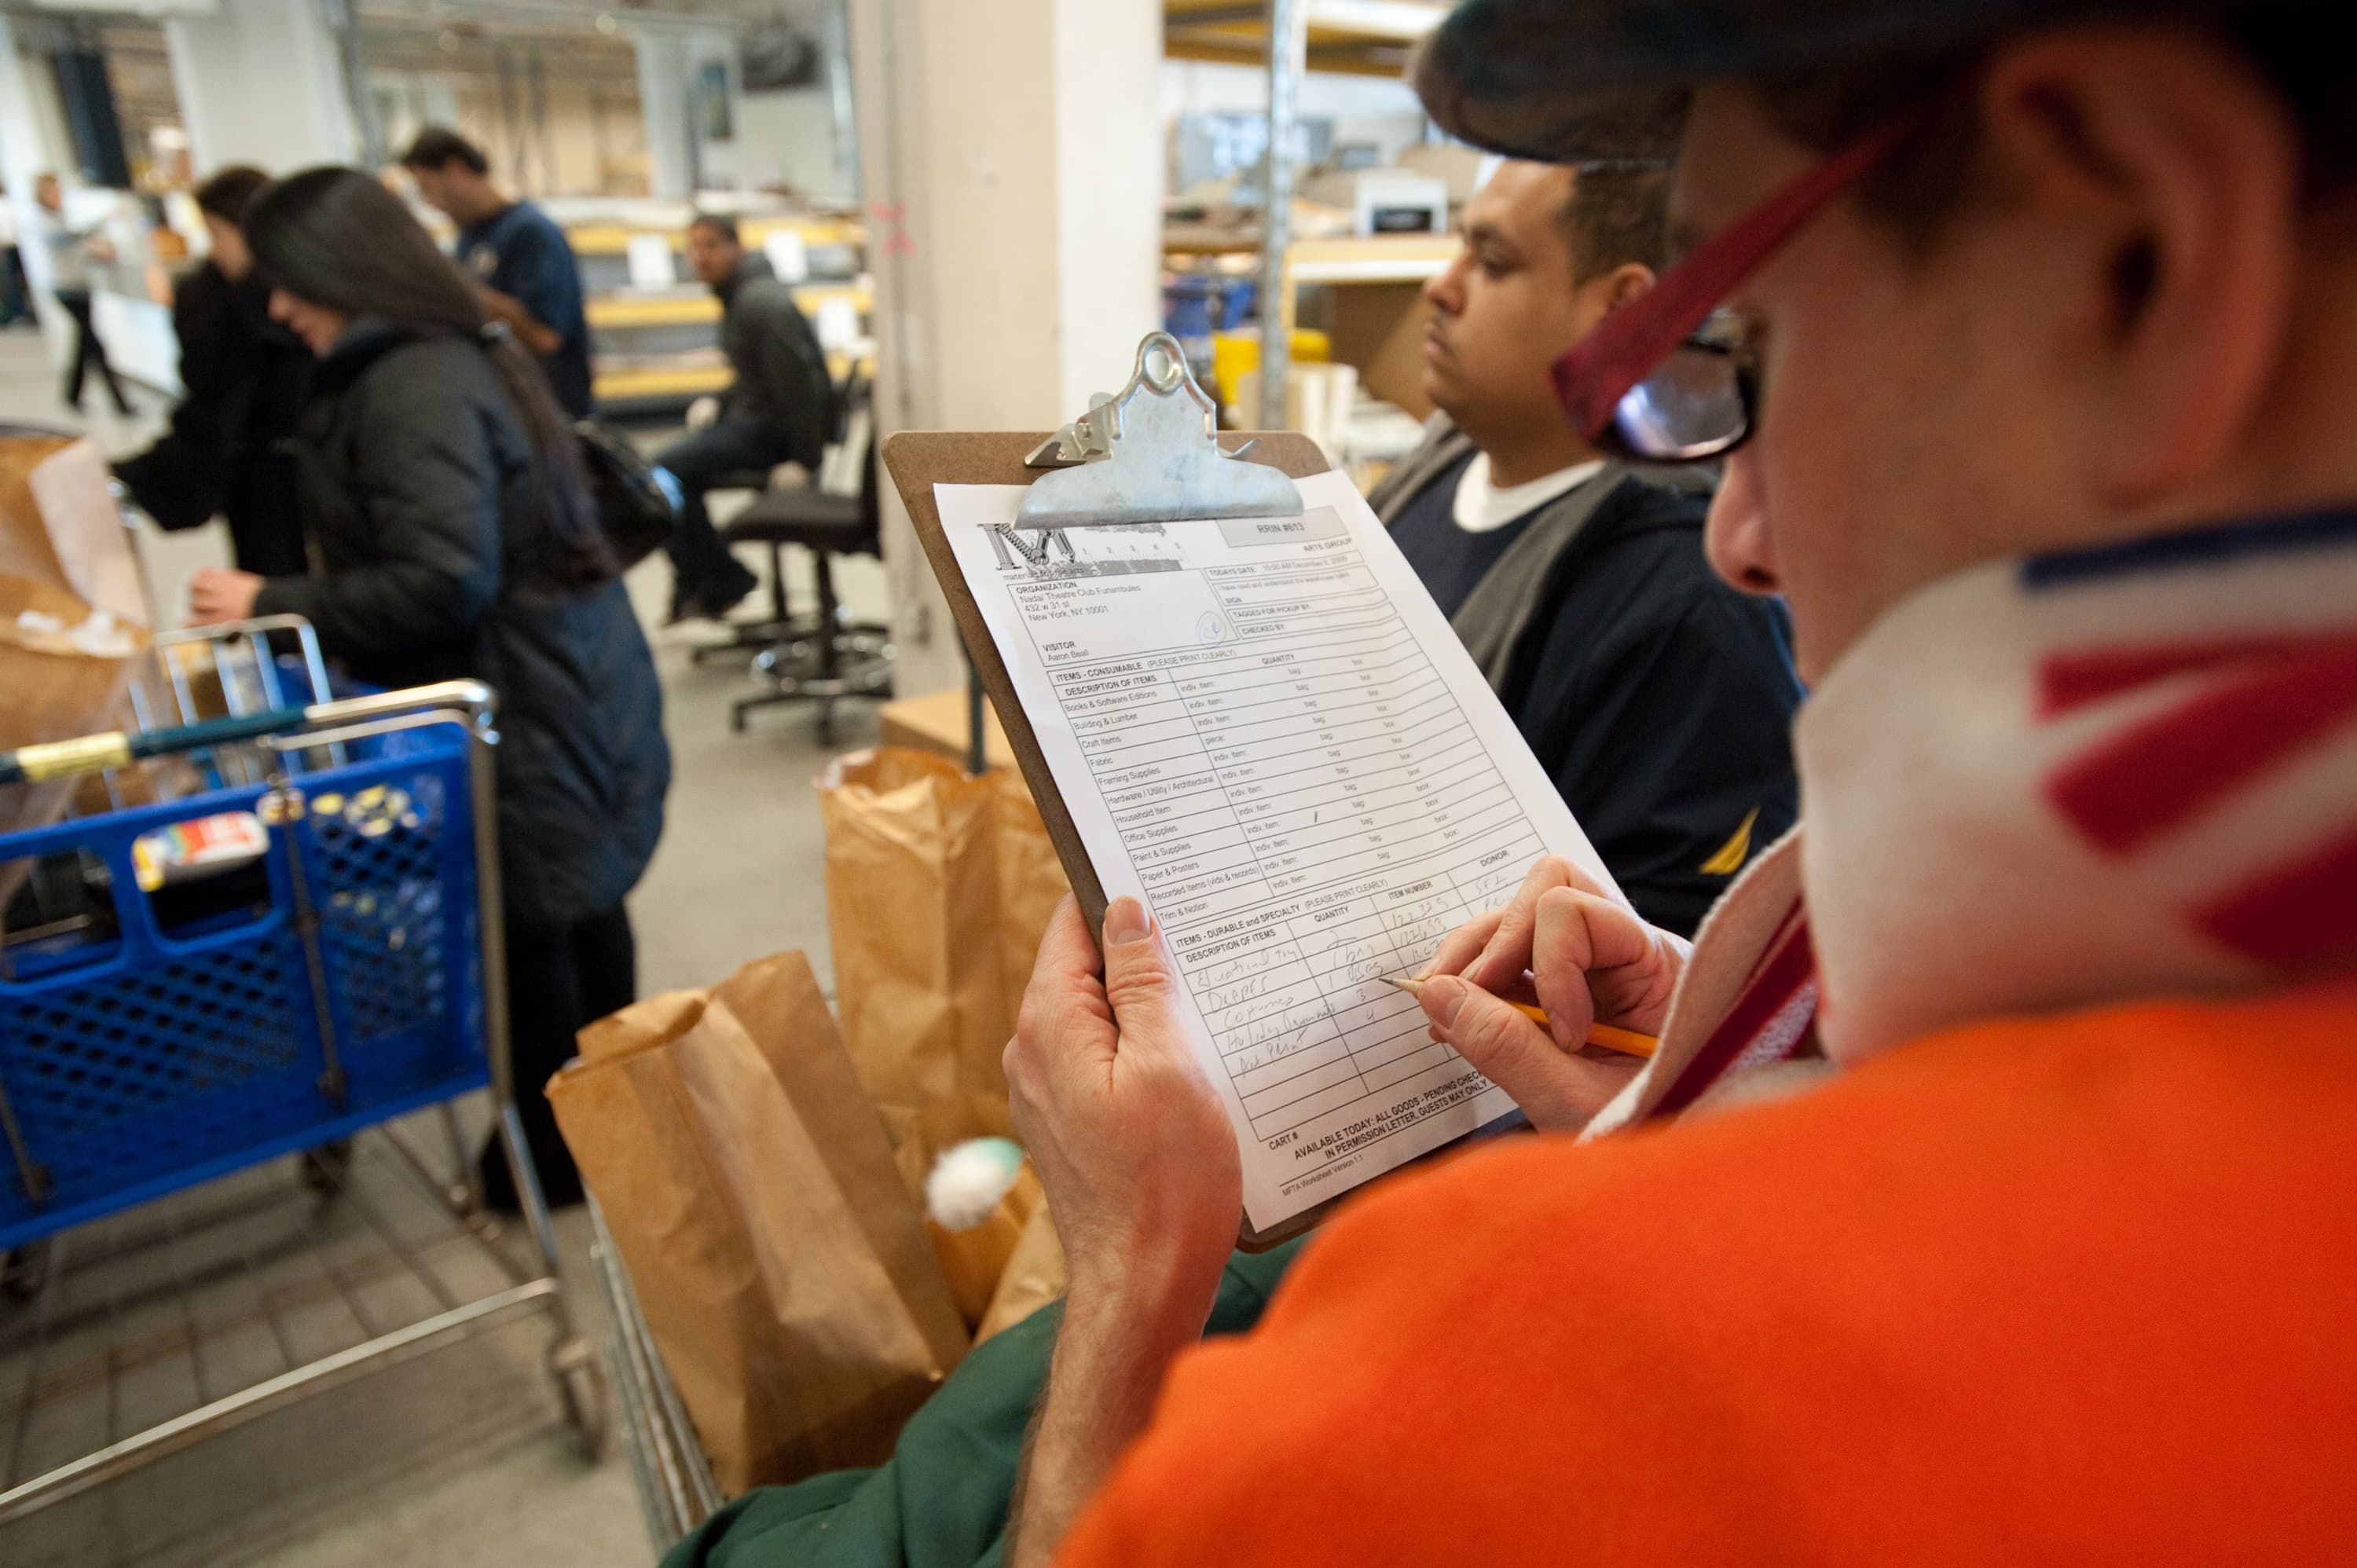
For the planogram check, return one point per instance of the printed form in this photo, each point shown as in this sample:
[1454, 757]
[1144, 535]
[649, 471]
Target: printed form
[1266, 729]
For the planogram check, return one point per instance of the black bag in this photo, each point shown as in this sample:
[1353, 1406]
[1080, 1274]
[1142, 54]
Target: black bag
[638, 504]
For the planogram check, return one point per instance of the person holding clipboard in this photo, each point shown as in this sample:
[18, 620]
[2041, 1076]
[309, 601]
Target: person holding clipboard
[2020, 1227]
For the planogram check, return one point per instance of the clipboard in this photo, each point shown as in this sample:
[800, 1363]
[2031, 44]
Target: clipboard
[919, 459]
[1171, 467]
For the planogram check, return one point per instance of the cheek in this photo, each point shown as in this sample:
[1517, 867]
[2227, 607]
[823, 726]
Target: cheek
[1515, 330]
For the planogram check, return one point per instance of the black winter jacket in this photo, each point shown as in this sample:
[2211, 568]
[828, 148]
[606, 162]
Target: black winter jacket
[416, 483]
[781, 377]
[243, 377]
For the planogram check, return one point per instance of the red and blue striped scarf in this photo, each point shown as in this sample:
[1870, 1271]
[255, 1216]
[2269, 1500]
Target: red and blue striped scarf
[2051, 783]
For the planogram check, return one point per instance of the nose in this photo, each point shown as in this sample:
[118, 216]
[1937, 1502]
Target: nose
[1445, 290]
[1735, 535]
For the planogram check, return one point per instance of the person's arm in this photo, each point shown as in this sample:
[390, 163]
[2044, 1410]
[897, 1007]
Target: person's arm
[544, 288]
[1141, 1171]
[427, 482]
[531, 330]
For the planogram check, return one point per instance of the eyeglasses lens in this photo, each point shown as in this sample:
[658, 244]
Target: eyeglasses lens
[1691, 406]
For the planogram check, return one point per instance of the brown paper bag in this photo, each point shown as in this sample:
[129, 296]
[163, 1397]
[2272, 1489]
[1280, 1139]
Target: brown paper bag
[920, 1132]
[1033, 1277]
[782, 1265]
[60, 525]
[939, 887]
[57, 689]
[973, 1259]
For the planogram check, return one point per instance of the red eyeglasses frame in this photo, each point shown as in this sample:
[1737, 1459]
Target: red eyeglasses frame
[1602, 368]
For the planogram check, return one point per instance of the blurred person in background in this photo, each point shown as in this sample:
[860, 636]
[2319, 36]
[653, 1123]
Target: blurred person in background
[518, 259]
[16, 294]
[445, 488]
[781, 408]
[1658, 698]
[72, 251]
[243, 377]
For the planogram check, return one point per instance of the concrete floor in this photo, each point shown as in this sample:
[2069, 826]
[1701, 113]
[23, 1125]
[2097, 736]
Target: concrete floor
[458, 1457]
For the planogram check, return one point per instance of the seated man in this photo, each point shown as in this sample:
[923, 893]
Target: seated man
[780, 409]
[1657, 697]
[2036, 339]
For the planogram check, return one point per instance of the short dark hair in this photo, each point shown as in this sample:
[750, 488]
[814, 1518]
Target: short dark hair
[720, 224]
[1616, 214]
[436, 145]
[229, 192]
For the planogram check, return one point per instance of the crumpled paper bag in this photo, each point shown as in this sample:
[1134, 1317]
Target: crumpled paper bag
[939, 887]
[780, 1260]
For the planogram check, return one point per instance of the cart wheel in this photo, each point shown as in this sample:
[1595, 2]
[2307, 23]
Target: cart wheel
[25, 1270]
[583, 1389]
[325, 1167]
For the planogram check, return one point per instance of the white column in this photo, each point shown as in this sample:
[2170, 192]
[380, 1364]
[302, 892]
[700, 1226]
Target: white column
[678, 63]
[1012, 156]
[666, 109]
[260, 81]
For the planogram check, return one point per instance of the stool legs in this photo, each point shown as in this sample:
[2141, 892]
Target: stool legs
[839, 660]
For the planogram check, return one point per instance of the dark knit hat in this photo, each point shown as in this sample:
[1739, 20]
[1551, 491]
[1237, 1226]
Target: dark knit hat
[1599, 81]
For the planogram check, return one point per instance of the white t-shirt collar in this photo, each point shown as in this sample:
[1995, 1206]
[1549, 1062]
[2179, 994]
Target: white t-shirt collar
[1483, 508]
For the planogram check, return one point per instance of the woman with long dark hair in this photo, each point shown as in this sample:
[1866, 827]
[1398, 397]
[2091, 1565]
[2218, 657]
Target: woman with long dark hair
[446, 494]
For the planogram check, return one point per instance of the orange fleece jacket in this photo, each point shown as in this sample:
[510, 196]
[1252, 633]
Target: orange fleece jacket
[2079, 1289]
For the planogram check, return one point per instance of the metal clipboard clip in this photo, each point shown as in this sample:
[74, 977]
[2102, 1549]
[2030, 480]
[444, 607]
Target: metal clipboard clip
[1150, 453]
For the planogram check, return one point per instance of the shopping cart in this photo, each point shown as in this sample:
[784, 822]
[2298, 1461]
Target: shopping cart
[304, 949]
[676, 1490]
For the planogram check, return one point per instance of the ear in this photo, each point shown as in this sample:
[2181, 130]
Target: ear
[1623, 283]
[2179, 173]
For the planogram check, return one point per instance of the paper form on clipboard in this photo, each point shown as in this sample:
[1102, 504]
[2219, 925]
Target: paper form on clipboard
[1266, 729]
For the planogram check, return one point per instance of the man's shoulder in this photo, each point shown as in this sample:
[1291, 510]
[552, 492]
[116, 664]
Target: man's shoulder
[768, 295]
[526, 217]
[1636, 569]
[2127, 1230]
[1645, 505]
[521, 224]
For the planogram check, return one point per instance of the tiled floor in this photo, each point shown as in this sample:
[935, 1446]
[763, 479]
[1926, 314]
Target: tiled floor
[457, 1457]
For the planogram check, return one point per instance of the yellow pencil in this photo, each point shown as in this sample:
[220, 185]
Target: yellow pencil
[1629, 1042]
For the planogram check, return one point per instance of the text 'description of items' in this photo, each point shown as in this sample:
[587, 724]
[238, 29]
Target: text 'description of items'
[1264, 729]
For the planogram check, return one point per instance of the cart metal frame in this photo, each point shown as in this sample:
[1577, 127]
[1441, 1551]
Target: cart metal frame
[676, 1490]
[250, 681]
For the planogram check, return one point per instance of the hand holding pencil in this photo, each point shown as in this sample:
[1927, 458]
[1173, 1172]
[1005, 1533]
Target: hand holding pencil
[1628, 1042]
[1599, 973]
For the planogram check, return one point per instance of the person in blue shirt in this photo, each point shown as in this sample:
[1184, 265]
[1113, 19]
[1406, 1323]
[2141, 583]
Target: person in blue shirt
[518, 259]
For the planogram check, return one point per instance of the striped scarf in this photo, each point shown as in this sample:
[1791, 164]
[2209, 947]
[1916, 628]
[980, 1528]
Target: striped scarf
[2046, 784]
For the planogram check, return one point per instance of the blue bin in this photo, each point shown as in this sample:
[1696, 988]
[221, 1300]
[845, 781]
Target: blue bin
[140, 1054]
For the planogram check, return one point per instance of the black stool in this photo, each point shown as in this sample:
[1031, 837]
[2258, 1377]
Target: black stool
[749, 638]
[832, 658]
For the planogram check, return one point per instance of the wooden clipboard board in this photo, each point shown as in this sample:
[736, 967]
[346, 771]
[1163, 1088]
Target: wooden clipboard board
[918, 461]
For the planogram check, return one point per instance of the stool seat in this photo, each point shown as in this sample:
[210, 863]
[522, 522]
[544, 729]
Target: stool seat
[741, 479]
[810, 518]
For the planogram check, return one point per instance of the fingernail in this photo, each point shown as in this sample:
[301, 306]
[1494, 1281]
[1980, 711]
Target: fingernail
[1124, 921]
[1451, 992]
